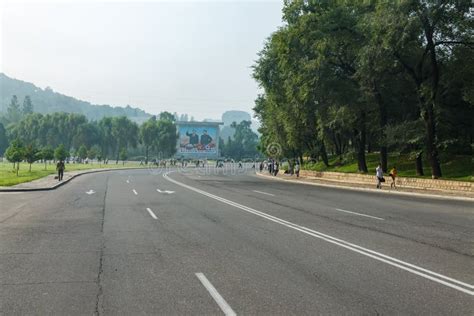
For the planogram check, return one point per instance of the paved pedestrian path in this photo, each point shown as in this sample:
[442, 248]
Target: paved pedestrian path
[49, 182]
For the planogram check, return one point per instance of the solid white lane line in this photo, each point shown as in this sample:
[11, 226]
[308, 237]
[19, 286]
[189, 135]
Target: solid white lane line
[263, 193]
[360, 214]
[128, 181]
[135, 192]
[428, 274]
[215, 295]
[151, 213]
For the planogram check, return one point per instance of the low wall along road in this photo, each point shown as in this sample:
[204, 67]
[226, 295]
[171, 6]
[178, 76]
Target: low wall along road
[416, 183]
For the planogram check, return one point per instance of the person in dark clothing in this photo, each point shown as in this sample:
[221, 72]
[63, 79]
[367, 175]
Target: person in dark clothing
[205, 138]
[276, 168]
[60, 168]
[193, 137]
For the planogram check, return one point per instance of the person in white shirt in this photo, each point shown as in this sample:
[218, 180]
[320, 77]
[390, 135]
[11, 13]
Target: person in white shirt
[379, 175]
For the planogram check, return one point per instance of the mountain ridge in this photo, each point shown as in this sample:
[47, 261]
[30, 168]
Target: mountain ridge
[48, 101]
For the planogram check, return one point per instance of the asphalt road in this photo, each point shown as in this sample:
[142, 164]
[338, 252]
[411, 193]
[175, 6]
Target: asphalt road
[208, 241]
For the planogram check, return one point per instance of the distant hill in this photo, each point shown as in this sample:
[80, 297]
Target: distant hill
[47, 101]
[235, 116]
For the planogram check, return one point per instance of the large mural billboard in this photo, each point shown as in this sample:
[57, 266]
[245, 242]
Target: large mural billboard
[198, 140]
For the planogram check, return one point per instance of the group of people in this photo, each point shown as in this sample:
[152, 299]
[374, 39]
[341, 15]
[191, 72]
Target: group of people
[380, 179]
[272, 165]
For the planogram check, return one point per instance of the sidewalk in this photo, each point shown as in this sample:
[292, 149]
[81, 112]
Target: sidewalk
[49, 183]
[466, 196]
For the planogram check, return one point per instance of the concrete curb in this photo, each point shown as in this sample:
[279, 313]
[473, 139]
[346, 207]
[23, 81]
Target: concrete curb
[61, 183]
[427, 195]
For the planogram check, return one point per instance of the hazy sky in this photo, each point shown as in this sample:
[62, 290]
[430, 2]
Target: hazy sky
[190, 57]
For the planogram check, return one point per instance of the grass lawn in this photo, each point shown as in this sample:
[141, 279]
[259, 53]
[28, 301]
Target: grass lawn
[8, 176]
[453, 168]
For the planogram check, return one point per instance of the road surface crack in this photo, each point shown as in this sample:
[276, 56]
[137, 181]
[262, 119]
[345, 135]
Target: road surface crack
[98, 301]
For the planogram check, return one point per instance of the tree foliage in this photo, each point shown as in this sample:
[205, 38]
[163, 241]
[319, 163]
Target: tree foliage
[30, 154]
[337, 76]
[243, 144]
[60, 153]
[15, 154]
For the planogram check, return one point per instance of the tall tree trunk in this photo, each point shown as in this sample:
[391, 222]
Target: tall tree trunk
[431, 144]
[383, 124]
[419, 164]
[430, 120]
[337, 147]
[384, 158]
[118, 155]
[361, 162]
[323, 154]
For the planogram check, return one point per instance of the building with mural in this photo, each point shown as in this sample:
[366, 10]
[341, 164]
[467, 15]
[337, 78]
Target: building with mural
[198, 140]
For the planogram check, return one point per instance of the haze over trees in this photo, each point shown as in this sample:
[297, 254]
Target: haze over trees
[358, 76]
[243, 144]
[34, 136]
[48, 101]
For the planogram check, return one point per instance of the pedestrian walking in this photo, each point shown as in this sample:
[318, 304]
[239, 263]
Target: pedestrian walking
[379, 175]
[276, 168]
[60, 168]
[297, 169]
[393, 175]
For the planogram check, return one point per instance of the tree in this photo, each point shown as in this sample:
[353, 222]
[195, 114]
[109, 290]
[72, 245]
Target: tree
[46, 153]
[148, 135]
[123, 155]
[421, 36]
[100, 156]
[15, 154]
[408, 137]
[60, 153]
[27, 106]
[30, 154]
[307, 66]
[82, 152]
[125, 132]
[107, 140]
[167, 137]
[338, 75]
[28, 129]
[3, 139]
[13, 110]
[93, 152]
[86, 134]
[167, 116]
